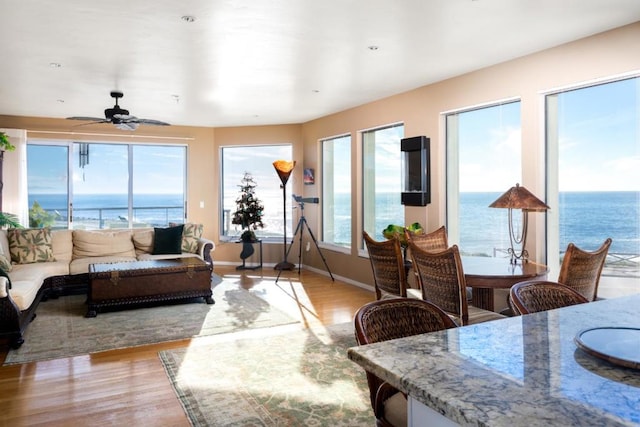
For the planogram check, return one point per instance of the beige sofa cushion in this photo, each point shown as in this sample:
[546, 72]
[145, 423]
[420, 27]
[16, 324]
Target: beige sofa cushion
[103, 244]
[62, 244]
[26, 280]
[151, 257]
[143, 241]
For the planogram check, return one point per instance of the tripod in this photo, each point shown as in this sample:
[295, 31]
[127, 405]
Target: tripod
[302, 222]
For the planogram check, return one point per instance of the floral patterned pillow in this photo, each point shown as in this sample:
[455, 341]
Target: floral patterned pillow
[190, 236]
[5, 264]
[29, 245]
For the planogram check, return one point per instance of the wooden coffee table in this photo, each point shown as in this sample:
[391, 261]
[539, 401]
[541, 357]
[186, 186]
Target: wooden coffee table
[125, 284]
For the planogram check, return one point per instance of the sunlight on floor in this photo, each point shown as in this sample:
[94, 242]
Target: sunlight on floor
[279, 368]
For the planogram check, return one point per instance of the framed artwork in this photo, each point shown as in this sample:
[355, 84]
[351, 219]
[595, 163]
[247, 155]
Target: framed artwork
[309, 178]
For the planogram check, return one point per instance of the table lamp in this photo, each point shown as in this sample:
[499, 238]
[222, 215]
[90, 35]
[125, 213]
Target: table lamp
[284, 168]
[519, 198]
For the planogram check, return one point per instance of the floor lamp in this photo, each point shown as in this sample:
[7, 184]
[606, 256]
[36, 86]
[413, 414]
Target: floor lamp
[284, 168]
[519, 198]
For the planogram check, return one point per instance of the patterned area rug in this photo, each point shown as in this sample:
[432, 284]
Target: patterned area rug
[280, 376]
[61, 330]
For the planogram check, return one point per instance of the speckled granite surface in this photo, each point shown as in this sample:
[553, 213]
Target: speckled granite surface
[519, 371]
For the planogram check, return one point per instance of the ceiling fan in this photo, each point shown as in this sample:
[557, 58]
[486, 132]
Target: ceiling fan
[120, 117]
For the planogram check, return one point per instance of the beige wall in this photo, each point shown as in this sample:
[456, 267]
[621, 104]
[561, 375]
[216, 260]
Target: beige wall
[598, 57]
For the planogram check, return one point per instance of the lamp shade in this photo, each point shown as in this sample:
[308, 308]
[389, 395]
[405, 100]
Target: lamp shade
[284, 168]
[519, 198]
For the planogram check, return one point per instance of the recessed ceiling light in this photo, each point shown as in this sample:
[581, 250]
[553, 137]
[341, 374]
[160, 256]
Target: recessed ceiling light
[373, 47]
[55, 65]
[188, 18]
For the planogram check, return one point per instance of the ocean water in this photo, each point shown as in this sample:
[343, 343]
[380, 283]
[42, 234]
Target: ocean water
[586, 219]
[109, 209]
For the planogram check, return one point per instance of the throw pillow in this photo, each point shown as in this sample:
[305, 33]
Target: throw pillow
[190, 236]
[5, 264]
[167, 241]
[143, 241]
[29, 245]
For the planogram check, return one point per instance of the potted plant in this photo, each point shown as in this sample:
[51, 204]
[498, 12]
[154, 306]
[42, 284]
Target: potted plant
[248, 214]
[5, 144]
[9, 220]
[40, 218]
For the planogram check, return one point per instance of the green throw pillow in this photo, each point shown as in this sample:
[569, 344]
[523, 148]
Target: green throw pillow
[29, 245]
[167, 241]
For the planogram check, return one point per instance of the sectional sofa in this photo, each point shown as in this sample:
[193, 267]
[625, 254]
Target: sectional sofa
[43, 263]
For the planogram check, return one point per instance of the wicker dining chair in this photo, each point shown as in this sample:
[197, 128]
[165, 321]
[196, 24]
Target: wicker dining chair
[443, 283]
[387, 263]
[386, 320]
[581, 269]
[433, 241]
[540, 295]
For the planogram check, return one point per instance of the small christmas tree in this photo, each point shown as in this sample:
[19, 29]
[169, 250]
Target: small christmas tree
[249, 209]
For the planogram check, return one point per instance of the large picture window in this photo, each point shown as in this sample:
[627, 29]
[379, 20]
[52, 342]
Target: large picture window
[381, 179]
[593, 140]
[258, 161]
[111, 185]
[336, 191]
[483, 161]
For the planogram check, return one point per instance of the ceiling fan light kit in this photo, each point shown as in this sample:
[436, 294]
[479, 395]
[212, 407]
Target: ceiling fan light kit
[120, 117]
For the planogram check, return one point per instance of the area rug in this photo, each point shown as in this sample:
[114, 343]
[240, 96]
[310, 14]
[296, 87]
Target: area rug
[285, 377]
[61, 330]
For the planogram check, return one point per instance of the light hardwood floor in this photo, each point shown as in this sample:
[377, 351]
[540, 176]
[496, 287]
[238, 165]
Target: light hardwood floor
[129, 387]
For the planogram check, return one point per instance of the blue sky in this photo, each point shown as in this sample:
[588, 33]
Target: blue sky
[599, 137]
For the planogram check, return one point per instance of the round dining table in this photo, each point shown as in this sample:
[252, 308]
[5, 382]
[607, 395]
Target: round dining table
[484, 274]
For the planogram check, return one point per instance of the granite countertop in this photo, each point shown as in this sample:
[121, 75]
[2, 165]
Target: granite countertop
[518, 371]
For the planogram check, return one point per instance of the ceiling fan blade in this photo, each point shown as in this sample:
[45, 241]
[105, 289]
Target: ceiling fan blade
[126, 125]
[89, 119]
[124, 118]
[152, 122]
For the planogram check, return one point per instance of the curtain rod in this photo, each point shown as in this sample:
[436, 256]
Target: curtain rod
[111, 135]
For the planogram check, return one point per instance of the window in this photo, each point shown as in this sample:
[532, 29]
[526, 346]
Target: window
[257, 160]
[483, 161]
[112, 185]
[593, 140]
[382, 179]
[48, 185]
[336, 191]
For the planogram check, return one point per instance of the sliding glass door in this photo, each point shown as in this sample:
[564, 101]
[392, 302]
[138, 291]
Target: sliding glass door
[111, 185]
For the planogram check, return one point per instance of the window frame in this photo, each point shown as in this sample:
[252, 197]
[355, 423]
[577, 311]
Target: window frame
[552, 167]
[452, 163]
[227, 237]
[366, 222]
[70, 146]
[346, 249]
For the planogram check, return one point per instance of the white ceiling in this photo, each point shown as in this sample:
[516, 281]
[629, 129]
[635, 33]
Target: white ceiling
[250, 62]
